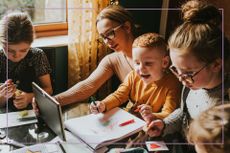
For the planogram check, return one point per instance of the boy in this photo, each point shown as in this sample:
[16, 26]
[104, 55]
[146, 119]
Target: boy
[151, 88]
[20, 64]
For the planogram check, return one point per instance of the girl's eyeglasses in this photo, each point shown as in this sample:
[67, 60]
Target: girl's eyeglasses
[109, 35]
[188, 77]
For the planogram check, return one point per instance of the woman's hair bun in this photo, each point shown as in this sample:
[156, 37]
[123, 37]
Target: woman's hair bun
[196, 11]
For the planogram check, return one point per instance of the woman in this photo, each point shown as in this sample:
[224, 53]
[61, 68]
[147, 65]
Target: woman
[20, 65]
[116, 28]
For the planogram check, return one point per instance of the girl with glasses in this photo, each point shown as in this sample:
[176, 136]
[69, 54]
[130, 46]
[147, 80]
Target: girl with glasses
[20, 65]
[197, 56]
[117, 30]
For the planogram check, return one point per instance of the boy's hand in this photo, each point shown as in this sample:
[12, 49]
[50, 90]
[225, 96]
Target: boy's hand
[35, 107]
[22, 101]
[155, 128]
[7, 89]
[98, 108]
[146, 112]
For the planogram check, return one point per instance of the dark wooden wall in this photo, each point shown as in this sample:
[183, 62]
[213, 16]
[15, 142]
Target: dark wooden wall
[146, 13]
[174, 17]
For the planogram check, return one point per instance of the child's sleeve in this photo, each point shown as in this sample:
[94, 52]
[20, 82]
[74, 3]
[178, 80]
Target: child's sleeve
[121, 95]
[172, 99]
[41, 63]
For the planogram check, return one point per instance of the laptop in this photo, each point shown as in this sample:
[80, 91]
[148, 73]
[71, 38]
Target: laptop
[50, 111]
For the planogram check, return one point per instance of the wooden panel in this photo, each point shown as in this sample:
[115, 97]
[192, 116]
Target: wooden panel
[224, 4]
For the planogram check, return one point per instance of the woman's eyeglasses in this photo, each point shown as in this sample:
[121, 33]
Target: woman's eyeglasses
[188, 77]
[109, 35]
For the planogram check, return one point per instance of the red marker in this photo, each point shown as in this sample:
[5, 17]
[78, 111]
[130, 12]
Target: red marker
[127, 122]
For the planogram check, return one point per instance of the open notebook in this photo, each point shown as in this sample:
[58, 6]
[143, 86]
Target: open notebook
[104, 129]
[94, 130]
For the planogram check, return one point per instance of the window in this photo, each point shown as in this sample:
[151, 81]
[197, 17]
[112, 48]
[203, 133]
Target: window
[49, 17]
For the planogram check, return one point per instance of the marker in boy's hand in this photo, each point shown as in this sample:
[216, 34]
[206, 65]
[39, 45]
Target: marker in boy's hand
[96, 106]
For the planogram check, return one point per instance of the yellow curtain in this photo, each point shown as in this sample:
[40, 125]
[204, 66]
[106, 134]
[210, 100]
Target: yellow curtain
[84, 51]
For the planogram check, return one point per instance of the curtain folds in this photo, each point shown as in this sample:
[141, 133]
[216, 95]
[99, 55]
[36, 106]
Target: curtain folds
[84, 52]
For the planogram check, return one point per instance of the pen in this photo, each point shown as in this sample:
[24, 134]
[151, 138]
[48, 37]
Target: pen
[61, 147]
[127, 122]
[92, 99]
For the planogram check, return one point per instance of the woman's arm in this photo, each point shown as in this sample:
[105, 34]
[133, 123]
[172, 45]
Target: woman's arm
[82, 90]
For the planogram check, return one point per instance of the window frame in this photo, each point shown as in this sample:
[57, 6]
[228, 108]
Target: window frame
[52, 29]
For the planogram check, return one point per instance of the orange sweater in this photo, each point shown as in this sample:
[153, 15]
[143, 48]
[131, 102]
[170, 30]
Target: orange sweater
[163, 95]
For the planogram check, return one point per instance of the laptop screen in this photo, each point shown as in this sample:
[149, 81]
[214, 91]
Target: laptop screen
[50, 111]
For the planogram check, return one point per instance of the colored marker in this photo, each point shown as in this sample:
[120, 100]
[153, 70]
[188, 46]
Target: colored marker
[127, 122]
[92, 99]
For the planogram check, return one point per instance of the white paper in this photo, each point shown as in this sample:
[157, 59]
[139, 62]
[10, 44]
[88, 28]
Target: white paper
[40, 148]
[54, 148]
[72, 144]
[104, 128]
[156, 146]
[4, 148]
[34, 148]
[14, 119]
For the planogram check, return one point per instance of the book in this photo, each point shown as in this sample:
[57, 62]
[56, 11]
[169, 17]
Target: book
[105, 128]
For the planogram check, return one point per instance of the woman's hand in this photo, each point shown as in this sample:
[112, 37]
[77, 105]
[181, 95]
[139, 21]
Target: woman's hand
[98, 108]
[23, 100]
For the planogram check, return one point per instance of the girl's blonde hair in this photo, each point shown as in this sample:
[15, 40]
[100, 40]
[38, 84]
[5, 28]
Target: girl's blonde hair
[200, 34]
[16, 27]
[213, 127]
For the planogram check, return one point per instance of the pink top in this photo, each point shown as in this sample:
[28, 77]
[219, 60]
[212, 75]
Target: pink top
[114, 63]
